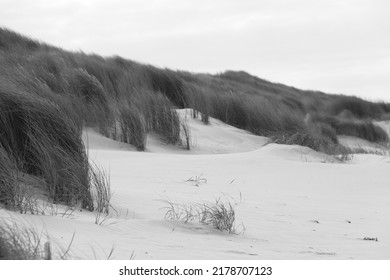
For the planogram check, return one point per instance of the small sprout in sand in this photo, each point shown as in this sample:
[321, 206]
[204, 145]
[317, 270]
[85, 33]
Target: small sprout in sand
[197, 180]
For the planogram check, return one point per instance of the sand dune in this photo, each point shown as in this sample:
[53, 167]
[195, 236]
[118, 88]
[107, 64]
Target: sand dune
[290, 201]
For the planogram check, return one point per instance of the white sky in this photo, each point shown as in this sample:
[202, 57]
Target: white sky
[337, 46]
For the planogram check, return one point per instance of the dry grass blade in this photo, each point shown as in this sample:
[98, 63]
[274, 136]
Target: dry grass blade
[197, 180]
[63, 257]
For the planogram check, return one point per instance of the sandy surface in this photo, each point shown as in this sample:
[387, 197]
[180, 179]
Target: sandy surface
[290, 202]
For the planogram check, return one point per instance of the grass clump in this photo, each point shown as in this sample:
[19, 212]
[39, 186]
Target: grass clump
[101, 192]
[108, 74]
[321, 129]
[8, 180]
[24, 242]
[219, 215]
[133, 127]
[161, 117]
[101, 188]
[49, 68]
[44, 142]
[168, 83]
[306, 139]
[359, 108]
[364, 129]
[19, 243]
[89, 88]
[199, 101]
[96, 111]
[10, 40]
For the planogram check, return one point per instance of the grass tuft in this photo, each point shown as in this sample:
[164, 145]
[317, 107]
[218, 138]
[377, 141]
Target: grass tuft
[101, 192]
[220, 215]
[133, 127]
[44, 141]
[364, 129]
[21, 243]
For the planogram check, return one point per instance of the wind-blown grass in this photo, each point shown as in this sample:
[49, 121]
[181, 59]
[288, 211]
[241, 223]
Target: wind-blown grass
[94, 97]
[168, 83]
[133, 127]
[126, 100]
[101, 192]
[359, 128]
[8, 180]
[45, 142]
[357, 107]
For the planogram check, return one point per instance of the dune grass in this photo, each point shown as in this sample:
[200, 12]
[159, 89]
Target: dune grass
[8, 180]
[20, 242]
[219, 214]
[133, 126]
[364, 129]
[43, 141]
[168, 83]
[101, 192]
[126, 100]
[357, 107]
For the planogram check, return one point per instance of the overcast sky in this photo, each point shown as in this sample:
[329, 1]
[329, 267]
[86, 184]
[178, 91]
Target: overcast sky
[335, 46]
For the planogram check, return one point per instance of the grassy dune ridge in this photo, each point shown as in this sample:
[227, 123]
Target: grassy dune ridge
[47, 95]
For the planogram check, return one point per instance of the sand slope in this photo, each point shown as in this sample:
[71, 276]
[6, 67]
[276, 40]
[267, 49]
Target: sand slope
[290, 202]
